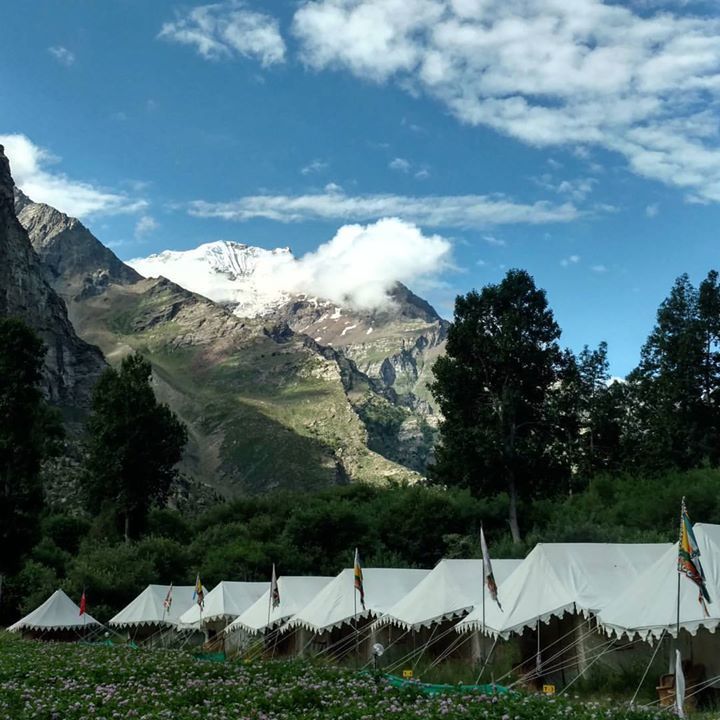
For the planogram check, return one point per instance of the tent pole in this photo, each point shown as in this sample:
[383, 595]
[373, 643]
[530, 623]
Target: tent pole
[677, 625]
[483, 619]
[357, 637]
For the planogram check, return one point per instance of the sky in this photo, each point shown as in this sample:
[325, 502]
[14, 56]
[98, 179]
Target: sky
[578, 140]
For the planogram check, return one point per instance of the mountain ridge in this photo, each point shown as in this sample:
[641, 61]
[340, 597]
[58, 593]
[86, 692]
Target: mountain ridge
[246, 386]
[71, 366]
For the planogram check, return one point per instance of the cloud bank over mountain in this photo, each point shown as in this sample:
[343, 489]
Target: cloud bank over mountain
[356, 268]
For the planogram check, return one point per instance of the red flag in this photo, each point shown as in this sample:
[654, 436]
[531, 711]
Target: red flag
[83, 603]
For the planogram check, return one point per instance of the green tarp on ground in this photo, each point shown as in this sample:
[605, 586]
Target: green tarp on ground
[432, 689]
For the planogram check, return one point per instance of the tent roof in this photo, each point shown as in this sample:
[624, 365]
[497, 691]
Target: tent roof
[647, 606]
[148, 609]
[295, 593]
[225, 601]
[451, 589]
[556, 578]
[335, 604]
[58, 612]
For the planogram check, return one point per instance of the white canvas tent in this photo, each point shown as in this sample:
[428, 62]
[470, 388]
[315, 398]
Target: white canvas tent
[647, 606]
[148, 609]
[225, 602]
[336, 604]
[58, 613]
[295, 593]
[452, 589]
[559, 578]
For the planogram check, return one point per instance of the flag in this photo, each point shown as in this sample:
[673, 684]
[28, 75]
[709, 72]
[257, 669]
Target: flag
[679, 686]
[358, 576]
[199, 593]
[689, 557]
[167, 602]
[274, 589]
[83, 603]
[488, 571]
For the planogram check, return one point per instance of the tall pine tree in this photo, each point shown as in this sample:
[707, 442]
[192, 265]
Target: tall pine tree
[492, 387]
[674, 390]
[134, 445]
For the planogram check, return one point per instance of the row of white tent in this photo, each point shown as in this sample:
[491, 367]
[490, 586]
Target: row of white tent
[631, 590]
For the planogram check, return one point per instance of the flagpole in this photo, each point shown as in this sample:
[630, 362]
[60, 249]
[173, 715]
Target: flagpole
[484, 583]
[357, 637]
[677, 619]
[356, 562]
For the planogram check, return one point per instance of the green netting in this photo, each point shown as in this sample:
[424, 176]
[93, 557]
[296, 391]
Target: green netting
[210, 656]
[433, 689]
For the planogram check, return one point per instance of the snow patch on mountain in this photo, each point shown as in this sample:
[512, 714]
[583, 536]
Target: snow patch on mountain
[356, 269]
[227, 272]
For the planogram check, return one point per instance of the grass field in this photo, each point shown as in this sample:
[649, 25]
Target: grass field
[46, 681]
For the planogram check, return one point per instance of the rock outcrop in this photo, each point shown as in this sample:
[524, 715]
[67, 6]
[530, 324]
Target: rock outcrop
[71, 365]
[74, 260]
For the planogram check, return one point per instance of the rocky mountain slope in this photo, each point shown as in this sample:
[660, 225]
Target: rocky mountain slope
[266, 406]
[394, 344]
[71, 365]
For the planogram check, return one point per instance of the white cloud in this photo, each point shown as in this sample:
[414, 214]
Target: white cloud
[578, 188]
[548, 73]
[652, 210]
[226, 29]
[599, 268]
[357, 267]
[400, 164]
[145, 226]
[461, 211]
[315, 166]
[62, 55]
[31, 169]
[492, 240]
[405, 166]
[570, 260]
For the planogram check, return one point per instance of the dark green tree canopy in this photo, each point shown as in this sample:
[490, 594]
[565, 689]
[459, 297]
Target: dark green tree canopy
[135, 442]
[29, 431]
[675, 390]
[492, 387]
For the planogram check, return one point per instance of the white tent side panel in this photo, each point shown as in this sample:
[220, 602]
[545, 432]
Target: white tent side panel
[226, 601]
[451, 589]
[58, 612]
[647, 607]
[148, 607]
[557, 578]
[295, 593]
[338, 603]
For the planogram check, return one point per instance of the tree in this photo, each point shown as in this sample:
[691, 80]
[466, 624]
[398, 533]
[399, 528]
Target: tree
[134, 445]
[492, 388]
[676, 385]
[29, 431]
[709, 317]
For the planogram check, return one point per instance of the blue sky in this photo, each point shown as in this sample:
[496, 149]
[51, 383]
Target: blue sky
[577, 141]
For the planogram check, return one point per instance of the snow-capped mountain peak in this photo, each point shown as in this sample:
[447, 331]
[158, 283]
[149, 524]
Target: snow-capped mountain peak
[228, 272]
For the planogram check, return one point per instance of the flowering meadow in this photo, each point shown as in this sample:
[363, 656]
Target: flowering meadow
[49, 681]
